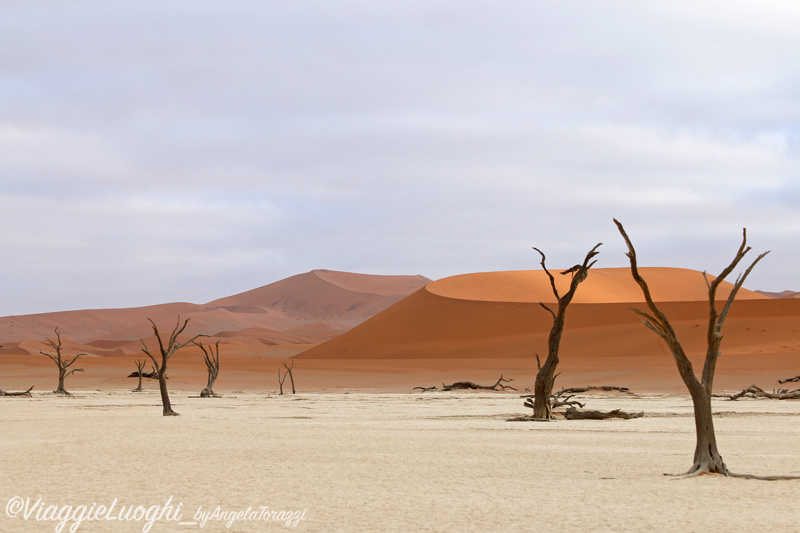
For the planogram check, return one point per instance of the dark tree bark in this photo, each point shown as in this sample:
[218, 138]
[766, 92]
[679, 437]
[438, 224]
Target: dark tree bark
[166, 352]
[63, 363]
[546, 376]
[707, 458]
[211, 358]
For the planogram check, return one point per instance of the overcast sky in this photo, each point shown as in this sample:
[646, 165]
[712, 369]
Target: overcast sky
[159, 151]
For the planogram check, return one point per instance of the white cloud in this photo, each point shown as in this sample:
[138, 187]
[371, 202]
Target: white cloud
[183, 151]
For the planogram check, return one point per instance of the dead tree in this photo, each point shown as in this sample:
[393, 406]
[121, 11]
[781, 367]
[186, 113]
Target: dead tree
[470, 385]
[211, 358]
[546, 375]
[139, 373]
[63, 363]
[166, 352]
[281, 380]
[289, 371]
[707, 458]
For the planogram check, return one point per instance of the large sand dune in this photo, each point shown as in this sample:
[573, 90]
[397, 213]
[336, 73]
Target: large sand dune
[321, 302]
[477, 318]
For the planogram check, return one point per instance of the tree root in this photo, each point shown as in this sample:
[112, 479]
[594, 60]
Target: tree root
[701, 472]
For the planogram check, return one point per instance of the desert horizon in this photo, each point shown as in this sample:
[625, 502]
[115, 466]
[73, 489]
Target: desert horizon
[347, 331]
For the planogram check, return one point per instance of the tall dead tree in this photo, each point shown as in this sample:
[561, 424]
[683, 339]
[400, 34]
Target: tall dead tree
[166, 352]
[63, 363]
[140, 373]
[289, 371]
[211, 358]
[546, 376]
[707, 458]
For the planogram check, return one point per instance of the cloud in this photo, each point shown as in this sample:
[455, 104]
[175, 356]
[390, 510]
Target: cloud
[161, 151]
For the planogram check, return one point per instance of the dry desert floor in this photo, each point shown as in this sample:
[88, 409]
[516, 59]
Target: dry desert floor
[359, 461]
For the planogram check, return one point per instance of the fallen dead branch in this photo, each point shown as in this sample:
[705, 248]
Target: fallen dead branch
[607, 388]
[151, 375]
[574, 414]
[22, 393]
[460, 385]
[426, 389]
[754, 391]
[789, 380]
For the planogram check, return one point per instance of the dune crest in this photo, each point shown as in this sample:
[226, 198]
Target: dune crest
[603, 285]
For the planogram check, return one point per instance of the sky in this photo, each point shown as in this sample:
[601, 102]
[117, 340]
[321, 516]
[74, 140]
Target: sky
[161, 151]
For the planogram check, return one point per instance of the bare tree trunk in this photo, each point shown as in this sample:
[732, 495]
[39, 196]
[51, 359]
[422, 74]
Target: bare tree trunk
[162, 387]
[546, 376]
[166, 352]
[706, 455]
[543, 389]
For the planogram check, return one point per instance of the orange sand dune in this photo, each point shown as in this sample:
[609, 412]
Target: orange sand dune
[478, 318]
[338, 298]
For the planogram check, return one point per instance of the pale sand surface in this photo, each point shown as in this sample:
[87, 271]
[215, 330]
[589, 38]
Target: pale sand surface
[399, 462]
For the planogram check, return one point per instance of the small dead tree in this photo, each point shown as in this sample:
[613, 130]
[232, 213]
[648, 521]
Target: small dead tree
[166, 352]
[281, 380]
[707, 458]
[546, 375]
[211, 358]
[139, 373]
[289, 371]
[63, 363]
